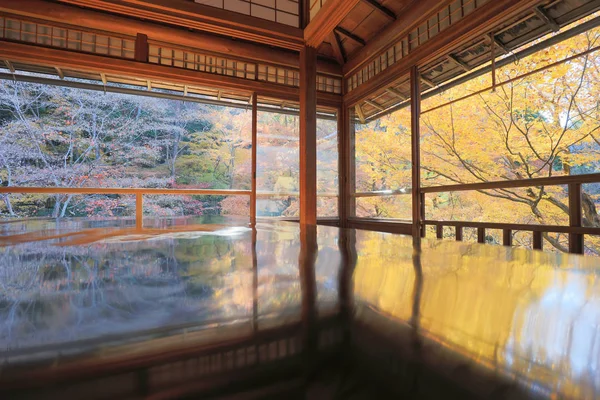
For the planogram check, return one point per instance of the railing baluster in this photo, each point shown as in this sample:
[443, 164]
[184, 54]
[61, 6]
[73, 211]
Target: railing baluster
[139, 210]
[575, 218]
[480, 235]
[537, 240]
[459, 232]
[439, 231]
[507, 237]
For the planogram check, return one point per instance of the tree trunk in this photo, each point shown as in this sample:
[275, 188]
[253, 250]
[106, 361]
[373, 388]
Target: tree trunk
[9, 205]
[65, 205]
[590, 214]
[56, 210]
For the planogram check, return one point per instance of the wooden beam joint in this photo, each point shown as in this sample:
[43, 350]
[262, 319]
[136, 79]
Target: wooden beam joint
[350, 35]
[386, 12]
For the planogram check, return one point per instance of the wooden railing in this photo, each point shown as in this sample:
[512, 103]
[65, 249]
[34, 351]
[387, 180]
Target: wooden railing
[138, 192]
[575, 230]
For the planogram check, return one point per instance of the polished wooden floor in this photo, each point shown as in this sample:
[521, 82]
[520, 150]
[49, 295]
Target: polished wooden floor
[208, 308]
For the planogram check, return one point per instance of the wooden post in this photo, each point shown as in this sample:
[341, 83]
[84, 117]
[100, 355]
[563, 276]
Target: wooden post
[347, 160]
[304, 11]
[480, 235]
[415, 138]
[422, 215]
[575, 218]
[141, 48]
[308, 286]
[254, 149]
[139, 211]
[537, 240]
[506, 237]
[308, 136]
[459, 232]
[254, 282]
[439, 231]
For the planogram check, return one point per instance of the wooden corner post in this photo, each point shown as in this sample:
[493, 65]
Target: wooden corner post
[254, 160]
[576, 242]
[308, 136]
[347, 163]
[415, 139]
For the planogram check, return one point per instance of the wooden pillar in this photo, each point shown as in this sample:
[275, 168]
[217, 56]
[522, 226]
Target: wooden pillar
[507, 237]
[254, 282]
[308, 285]
[141, 48]
[439, 231]
[304, 11]
[308, 136]
[480, 235]
[575, 218]
[347, 161]
[459, 233]
[139, 211]
[415, 111]
[254, 149]
[538, 243]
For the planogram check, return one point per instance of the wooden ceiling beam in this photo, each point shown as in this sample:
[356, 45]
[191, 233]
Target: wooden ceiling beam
[474, 25]
[329, 16]
[191, 15]
[338, 49]
[386, 12]
[102, 65]
[350, 35]
[95, 20]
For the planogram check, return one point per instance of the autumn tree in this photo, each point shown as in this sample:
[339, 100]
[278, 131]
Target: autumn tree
[545, 124]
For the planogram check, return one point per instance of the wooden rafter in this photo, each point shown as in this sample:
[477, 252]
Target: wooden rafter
[413, 16]
[496, 42]
[458, 62]
[350, 35]
[9, 65]
[59, 73]
[329, 16]
[192, 15]
[396, 93]
[474, 25]
[338, 49]
[386, 12]
[374, 105]
[548, 20]
[427, 82]
[361, 115]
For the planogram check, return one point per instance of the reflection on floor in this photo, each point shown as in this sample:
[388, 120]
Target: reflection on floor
[206, 307]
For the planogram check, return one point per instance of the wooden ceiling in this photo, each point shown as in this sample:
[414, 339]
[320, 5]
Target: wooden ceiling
[365, 46]
[360, 26]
